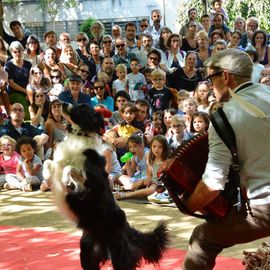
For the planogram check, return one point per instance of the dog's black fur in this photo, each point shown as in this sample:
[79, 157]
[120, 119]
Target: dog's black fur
[106, 232]
[82, 192]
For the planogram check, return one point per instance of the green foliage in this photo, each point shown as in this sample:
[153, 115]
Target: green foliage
[86, 25]
[234, 8]
[52, 7]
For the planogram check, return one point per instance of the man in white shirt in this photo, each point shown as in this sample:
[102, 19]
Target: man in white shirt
[248, 113]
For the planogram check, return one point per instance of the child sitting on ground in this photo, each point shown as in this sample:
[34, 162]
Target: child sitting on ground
[159, 126]
[178, 133]
[189, 107]
[136, 167]
[29, 168]
[159, 152]
[8, 159]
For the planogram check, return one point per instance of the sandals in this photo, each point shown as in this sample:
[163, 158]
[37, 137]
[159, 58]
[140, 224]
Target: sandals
[119, 196]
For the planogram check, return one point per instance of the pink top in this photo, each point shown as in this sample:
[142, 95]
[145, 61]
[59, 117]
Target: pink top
[9, 166]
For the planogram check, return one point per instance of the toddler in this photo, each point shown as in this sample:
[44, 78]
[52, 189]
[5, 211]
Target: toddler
[181, 95]
[159, 126]
[189, 108]
[8, 159]
[29, 167]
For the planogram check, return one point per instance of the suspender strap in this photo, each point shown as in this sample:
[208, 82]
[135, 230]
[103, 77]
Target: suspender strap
[226, 133]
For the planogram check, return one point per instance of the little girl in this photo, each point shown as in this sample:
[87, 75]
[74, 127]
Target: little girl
[168, 114]
[8, 159]
[199, 123]
[136, 167]
[178, 132]
[159, 126]
[189, 108]
[29, 168]
[201, 96]
[159, 152]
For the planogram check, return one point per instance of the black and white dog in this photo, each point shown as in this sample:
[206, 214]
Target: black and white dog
[82, 192]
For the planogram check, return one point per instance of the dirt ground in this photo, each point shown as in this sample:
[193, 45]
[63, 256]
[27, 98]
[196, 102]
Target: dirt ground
[36, 209]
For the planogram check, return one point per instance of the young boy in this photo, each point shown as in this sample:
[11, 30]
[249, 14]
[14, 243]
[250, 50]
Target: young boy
[120, 83]
[136, 83]
[217, 8]
[159, 96]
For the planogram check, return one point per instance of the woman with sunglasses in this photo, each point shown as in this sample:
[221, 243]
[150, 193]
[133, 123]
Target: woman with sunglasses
[82, 51]
[37, 82]
[83, 71]
[39, 109]
[107, 46]
[57, 84]
[102, 97]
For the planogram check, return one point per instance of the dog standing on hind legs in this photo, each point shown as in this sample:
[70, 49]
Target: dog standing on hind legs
[83, 193]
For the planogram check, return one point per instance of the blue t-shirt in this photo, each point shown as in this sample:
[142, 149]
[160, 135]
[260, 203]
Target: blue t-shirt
[108, 102]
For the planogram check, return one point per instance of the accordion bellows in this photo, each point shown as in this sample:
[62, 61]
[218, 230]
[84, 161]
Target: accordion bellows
[184, 170]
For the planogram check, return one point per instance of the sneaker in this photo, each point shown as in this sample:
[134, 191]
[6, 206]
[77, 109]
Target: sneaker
[160, 198]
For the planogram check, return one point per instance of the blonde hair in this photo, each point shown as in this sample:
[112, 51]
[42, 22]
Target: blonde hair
[121, 67]
[177, 119]
[157, 73]
[102, 76]
[11, 141]
[202, 34]
[182, 94]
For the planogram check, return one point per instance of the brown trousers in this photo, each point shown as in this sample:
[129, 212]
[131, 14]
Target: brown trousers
[210, 238]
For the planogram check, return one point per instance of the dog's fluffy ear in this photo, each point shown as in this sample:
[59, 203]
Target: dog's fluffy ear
[87, 118]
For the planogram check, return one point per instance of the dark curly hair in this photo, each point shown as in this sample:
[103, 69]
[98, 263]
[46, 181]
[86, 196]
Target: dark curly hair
[25, 140]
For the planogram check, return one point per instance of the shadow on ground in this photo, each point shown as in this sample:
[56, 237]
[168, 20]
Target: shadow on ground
[37, 210]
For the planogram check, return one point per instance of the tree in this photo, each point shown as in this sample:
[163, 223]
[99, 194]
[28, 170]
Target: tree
[52, 7]
[234, 8]
[86, 25]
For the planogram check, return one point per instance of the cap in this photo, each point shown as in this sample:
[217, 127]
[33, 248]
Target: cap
[75, 77]
[235, 61]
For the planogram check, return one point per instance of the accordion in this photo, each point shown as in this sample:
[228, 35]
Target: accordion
[182, 172]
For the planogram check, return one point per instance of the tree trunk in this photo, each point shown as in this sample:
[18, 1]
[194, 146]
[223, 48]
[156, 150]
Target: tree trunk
[1, 18]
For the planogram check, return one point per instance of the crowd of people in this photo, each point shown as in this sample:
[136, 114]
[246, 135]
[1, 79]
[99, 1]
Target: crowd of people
[155, 89]
[150, 80]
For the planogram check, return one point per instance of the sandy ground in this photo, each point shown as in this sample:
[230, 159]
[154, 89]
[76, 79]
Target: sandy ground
[36, 209]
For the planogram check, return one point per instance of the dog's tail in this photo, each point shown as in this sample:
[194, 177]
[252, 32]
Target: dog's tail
[153, 244]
